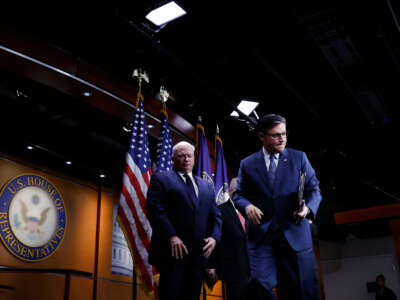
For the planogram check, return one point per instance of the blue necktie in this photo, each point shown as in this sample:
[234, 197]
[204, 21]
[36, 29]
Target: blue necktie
[271, 174]
[272, 169]
[190, 187]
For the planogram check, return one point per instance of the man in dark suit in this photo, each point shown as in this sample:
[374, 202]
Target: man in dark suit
[267, 194]
[230, 258]
[186, 225]
[382, 291]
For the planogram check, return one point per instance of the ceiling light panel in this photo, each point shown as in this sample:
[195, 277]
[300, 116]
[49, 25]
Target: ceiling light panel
[165, 13]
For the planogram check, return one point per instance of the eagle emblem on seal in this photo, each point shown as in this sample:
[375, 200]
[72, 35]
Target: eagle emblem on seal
[32, 219]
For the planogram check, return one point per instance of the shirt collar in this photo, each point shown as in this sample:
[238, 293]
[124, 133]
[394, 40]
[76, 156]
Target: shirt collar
[183, 174]
[267, 154]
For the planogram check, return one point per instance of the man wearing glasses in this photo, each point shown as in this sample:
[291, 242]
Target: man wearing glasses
[279, 236]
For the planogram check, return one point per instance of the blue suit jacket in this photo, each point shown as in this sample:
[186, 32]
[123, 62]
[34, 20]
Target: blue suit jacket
[172, 213]
[281, 198]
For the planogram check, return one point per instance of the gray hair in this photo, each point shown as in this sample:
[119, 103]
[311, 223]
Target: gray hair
[180, 145]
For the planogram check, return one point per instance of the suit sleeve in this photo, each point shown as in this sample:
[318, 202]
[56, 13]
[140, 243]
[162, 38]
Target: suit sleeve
[311, 190]
[155, 206]
[242, 190]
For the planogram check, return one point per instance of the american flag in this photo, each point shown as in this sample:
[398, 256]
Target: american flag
[164, 151]
[132, 215]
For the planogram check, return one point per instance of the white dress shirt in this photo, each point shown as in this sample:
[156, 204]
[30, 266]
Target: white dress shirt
[196, 189]
[267, 158]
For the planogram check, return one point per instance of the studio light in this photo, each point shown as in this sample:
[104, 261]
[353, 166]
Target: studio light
[247, 107]
[243, 112]
[165, 13]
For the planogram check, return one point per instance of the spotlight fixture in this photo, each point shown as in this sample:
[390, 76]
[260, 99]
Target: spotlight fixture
[234, 114]
[246, 107]
[102, 175]
[150, 126]
[29, 147]
[86, 94]
[165, 13]
[68, 162]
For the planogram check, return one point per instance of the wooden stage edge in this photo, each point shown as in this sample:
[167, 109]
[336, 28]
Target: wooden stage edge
[368, 214]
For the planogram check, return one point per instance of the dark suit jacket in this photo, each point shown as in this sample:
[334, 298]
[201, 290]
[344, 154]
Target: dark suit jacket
[172, 213]
[231, 258]
[386, 295]
[281, 198]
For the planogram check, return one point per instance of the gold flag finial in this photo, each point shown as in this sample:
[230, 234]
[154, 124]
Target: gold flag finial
[163, 94]
[140, 74]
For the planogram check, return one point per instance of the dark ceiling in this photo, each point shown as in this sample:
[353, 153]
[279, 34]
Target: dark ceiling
[330, 67]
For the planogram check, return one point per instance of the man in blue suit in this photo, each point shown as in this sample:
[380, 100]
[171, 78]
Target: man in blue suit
[267, 194]
[186, 226]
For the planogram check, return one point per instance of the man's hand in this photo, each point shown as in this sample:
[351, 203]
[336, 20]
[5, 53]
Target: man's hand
[254, 214]
[209, 247]
[303, 212]
[177, 247]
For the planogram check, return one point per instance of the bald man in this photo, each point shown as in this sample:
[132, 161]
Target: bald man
[186, 226]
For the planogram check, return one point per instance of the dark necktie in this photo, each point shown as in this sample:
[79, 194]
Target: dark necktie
[190, 187]
[272, 168]
[271, 174]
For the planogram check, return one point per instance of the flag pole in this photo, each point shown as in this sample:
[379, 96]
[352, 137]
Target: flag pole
[140, 75]
[164, 145]
[131, 214]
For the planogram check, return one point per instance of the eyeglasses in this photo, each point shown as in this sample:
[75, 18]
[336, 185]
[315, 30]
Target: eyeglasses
[184, 156]
[276, 136]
